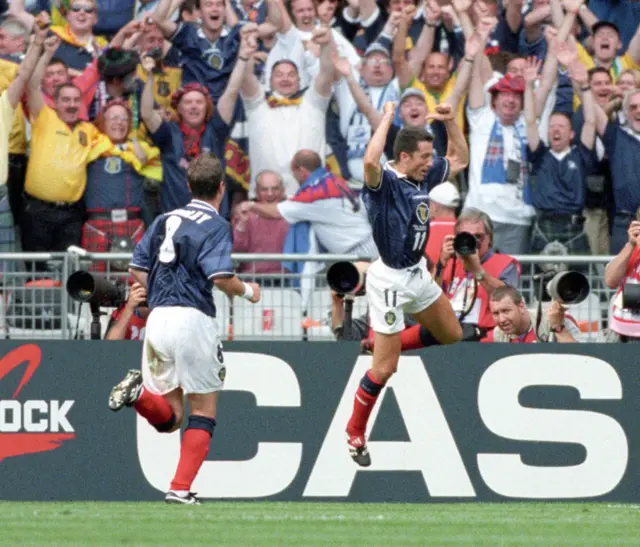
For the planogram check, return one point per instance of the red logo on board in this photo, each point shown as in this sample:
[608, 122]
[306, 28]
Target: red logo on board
[31, 426]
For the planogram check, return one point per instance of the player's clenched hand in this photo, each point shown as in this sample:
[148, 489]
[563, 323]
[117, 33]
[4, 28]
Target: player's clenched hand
[389, 108]
[442, 112]
[256, 292]
[446, 252]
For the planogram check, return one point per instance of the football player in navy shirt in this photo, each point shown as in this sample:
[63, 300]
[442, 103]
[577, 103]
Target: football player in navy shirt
[182, 256]
[397, 202]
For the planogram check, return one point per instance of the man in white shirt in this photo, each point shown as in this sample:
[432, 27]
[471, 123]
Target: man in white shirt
[334, 212]
[289, 118]
[498, 176]
[377, 81]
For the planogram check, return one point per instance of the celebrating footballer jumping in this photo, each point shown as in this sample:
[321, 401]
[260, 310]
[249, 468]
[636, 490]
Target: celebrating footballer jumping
[397, 201]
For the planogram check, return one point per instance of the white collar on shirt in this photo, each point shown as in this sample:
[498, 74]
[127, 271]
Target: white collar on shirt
[203, 205]
[390, 166]
[225, 32]
[560, 155]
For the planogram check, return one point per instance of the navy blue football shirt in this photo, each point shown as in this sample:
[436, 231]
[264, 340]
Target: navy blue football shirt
[398, 211]
[184, 251]
[209, 64]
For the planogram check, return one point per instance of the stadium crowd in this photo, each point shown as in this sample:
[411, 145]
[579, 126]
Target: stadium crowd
[112, 100]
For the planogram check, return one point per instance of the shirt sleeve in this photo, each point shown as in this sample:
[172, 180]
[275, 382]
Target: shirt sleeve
[7, 113]
[438, 173]
[610, 137]
[220, 127]
[315, 100]
[162, 137]
[572, 327]
[294, 211]
[510, 275]
[588, 158]
[184, 39]
[214, 257]
[142, 253]
[536, 156]
[482, 116]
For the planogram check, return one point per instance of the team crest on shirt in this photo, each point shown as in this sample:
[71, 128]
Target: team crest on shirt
[422, 212]
[113, 166]
[214, 59]
[390, 318]
[82, 138]
[163, 89]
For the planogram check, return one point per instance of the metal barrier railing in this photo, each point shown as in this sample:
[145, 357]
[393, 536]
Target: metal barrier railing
[35, 304]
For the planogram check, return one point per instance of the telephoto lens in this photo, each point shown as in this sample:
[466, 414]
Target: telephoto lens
[465, 244]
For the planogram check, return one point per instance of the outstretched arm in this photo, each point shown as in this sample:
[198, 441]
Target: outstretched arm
[580, 80]
[248, 46]
[375, 148]
[150, 117]
[161, 17]
[343, 68]
[325, 78]
[27, 67]
[457, 148]
[530, 75]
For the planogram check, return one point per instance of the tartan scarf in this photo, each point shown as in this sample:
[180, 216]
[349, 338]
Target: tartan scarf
[493, 170]
[274, 100]
[192, 138]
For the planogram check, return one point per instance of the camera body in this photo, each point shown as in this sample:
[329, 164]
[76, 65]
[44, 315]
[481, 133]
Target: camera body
[83, 286]
[569, 287]
[347, 278]
[465, 244]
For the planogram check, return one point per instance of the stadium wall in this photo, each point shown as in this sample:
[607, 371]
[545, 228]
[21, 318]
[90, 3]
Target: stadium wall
[462, 423]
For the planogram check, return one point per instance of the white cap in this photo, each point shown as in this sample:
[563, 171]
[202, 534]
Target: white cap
[445, 194]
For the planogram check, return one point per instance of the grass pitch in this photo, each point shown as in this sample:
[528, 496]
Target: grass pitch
[321, 524]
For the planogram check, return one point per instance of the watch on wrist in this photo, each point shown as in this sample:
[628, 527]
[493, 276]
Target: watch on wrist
[479, 275]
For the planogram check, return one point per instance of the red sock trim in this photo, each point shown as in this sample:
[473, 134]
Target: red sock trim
[153, 407]
[193, 451]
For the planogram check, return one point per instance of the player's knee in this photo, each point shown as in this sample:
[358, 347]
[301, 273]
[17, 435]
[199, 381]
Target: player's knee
[452, 334]
[384, 371]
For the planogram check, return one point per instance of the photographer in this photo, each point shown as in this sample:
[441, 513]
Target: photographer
[624, 270]
[128, 322]
[470, 269]
[515, 324]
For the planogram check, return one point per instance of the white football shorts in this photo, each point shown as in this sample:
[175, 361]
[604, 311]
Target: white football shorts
[182, 348]
[392, 293]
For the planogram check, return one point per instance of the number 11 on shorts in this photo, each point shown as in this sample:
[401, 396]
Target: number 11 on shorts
[390, 302]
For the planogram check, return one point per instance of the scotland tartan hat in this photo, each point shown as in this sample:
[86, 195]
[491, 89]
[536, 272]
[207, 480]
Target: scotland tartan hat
[508, 83]
[187, 88]
[117, 63]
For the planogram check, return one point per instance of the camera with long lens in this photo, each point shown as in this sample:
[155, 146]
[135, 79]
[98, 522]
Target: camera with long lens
[465, 244]
[83, 286]
[631, 297]
[569, 287]
[346, 278]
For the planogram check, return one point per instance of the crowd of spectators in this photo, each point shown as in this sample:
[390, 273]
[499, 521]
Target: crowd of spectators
[108, 101]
